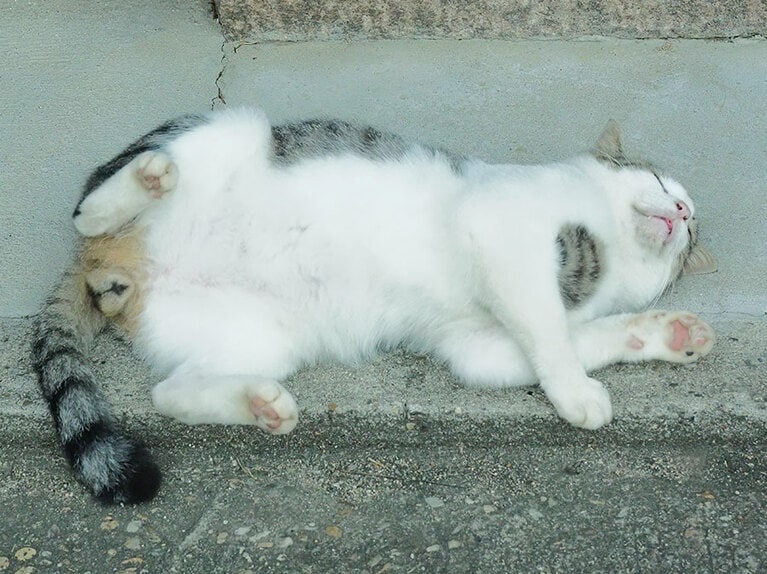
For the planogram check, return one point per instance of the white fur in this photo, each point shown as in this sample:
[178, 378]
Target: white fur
[258, 270]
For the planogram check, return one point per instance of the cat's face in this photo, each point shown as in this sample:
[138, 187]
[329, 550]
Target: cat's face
[657, 208]
[661, 215]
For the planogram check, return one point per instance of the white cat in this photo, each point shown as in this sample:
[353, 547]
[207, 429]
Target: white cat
[268, 249]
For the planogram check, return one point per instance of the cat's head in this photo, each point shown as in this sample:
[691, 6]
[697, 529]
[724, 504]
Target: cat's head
[659, 208]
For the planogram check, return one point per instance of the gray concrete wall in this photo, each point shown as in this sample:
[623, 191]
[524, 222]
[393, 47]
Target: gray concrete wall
[300, 20]
[81, 81]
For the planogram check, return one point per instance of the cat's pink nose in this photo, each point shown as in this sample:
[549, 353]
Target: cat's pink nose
[683, 210]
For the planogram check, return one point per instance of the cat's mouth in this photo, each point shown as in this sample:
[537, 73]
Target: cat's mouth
[659, 227]
[669, 224]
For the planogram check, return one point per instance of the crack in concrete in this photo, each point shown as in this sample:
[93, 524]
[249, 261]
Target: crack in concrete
[219, 97]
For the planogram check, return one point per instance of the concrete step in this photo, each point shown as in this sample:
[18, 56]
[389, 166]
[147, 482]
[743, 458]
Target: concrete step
[301, 20]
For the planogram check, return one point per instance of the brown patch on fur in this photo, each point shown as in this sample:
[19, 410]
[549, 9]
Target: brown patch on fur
[114, 270]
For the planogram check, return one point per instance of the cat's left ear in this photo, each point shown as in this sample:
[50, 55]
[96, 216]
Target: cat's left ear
[609, 147]
[700, 261]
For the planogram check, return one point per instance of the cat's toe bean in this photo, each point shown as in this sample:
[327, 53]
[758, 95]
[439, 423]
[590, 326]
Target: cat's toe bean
[688, 338]
[274, 408]
[156, 172]
[677, 337]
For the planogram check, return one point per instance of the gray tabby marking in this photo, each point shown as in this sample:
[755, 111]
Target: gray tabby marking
[294, 142]
[580, 264]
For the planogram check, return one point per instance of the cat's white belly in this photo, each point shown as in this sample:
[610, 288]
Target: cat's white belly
[290, 279]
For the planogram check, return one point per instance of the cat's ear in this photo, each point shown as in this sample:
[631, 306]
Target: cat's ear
[609, 147]
[699, 261]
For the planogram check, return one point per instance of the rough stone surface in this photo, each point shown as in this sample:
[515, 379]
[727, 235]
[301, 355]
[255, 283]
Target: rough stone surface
[301, 20]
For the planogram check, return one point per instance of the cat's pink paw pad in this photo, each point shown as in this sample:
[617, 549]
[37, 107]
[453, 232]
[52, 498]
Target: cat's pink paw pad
[687, 337]
[690, 336]
[275, 412]
[156, 172]
[678, 337]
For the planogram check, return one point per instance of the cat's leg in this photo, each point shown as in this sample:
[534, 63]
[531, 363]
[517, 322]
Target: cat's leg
[484, 355]
[198, 398]
[522, 293]
[673, 336]
[124, 195]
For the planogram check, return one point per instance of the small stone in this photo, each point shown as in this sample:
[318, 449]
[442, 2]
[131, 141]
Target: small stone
[333, 531]
[434, 502]
[453, 544]
[489, 508]
[242, 531]
[133, 543]
[535, 514]
[4, 562]
[221, 538]
[25, 553]
[433, 548]
[26, 570]
[109, 523]
[285, 542]
[260, 535]
[133, 526]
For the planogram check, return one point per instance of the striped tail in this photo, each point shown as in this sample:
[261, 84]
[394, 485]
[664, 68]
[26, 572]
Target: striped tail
[114, 467]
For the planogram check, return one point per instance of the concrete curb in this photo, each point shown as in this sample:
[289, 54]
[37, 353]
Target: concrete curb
[302, 20]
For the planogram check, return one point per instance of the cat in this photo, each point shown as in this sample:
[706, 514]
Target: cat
[235, 253]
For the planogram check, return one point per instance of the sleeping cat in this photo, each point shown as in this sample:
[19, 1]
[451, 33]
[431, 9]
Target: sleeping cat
[236, 253]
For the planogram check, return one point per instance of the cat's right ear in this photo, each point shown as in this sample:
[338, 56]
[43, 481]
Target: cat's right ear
[609, 147]
[699, 261]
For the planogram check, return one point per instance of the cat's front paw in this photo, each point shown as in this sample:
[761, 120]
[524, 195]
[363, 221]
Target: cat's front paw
[584, 403]
[156, 172]
[273, 407]
[677, 337]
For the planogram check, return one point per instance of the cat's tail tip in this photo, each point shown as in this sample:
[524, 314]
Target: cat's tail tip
[139, 482]
[122, 472]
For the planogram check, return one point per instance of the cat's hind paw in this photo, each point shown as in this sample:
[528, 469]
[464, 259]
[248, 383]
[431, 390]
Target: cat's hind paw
[273, 408]
[117, 201]
[677, 337]
[110, 289]
[585, 403]
[156, 173]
